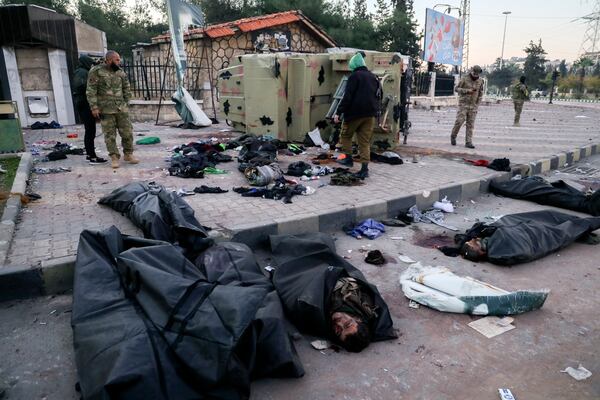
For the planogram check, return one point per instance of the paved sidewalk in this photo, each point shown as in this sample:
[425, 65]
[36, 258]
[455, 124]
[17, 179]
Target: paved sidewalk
[50, 228]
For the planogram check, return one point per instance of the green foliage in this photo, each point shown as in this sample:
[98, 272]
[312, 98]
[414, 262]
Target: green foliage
[534, 68]
[562, 68]
[62, 6]
[503, 77]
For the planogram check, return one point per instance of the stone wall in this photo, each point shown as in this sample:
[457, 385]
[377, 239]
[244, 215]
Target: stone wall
[145, 111]
[221, 52]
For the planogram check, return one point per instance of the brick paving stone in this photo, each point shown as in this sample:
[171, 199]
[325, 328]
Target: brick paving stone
[51, 226]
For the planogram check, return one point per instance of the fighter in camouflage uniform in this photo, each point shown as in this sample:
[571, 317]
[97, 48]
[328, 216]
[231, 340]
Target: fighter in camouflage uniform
[470, 93]
[108, 94]
[520, 94]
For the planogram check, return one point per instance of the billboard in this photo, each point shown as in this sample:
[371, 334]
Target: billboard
[444, 37]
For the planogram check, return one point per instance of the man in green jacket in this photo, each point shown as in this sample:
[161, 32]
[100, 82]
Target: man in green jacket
[108, 94]
[470, 93]
[520, 94]
[82, 106]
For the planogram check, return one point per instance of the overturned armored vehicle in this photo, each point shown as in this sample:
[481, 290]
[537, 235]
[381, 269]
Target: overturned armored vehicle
[286, 95]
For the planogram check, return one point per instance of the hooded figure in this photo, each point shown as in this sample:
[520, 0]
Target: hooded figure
[82, 107]
[324, 295]
[358, 109]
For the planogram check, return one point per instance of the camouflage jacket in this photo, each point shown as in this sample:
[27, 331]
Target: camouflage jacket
[466, 97]
[108, 90]
[520, 92]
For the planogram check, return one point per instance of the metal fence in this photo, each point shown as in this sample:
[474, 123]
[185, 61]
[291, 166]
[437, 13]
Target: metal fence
[444, 85]
[150, 78]
[421, 82]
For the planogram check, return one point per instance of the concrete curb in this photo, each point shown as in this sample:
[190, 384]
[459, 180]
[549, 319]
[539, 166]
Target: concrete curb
[56, 275]
[13, 204]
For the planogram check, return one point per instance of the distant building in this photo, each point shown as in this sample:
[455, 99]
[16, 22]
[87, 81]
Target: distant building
[40, 48]
[286, 31]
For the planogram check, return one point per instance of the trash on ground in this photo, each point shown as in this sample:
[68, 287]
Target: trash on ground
[445, 205]
[209, 189]
[440, 289]
[406, 259]
[579, 374]
[492, 326]
[506, 394]
[393, 222]
[53, 170]
[369, 228]
[148, 140]
[430, 216]
[413, 304]
[321, 344]
[375, 257]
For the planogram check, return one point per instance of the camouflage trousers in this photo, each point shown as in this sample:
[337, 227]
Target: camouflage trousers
[110, 124]
[363, 127]
[518, 108]
[467, 114]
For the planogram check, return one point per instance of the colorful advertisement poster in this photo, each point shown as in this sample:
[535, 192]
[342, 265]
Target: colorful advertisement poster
[443, 38]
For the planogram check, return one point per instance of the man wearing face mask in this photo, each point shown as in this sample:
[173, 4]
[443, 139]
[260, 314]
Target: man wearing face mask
[108, 94]
[470, 93]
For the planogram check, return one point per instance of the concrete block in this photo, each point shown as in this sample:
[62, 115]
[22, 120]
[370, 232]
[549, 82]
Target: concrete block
[295, 225]
[336, 219]
[545, 165]
[426, 198]
[453, 192]
[373, 209]
[57, 274]
[254, 236]
[470, 189]
[554, 161]
[401, 203]
[576, 155]
[562, 160]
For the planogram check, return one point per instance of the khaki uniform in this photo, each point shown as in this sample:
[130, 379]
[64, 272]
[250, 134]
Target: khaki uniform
[468, 102]
[109, 92]
[520, 94]
[363, 127]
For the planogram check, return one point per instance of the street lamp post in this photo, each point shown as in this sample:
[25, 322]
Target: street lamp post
[504, 37]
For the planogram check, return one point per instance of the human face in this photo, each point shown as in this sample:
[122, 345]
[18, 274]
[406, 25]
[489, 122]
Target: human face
[115, 59]
[344, 325]
[475, 246]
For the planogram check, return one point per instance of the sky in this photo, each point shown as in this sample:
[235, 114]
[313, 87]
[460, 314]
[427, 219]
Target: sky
[549, 20]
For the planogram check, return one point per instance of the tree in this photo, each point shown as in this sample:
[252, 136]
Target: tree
[592, 85]
[398, 32]
[562, 68]
[534, 69]
[503, 77]
[61, 6]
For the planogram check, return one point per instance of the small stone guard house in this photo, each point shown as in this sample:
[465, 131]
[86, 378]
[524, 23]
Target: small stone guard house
[284, 31]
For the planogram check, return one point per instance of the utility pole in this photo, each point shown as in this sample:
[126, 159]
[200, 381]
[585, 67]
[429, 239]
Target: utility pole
[590, 47]
[465, 6]
[554, 77]
[504, 37]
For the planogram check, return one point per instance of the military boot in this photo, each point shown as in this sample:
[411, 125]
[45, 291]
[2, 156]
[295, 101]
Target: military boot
[364, 171]
[345, 160]
[114, 161]
[129, 158]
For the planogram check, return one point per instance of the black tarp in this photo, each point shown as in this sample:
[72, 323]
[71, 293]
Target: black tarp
[307, 270]
[520, 238]
[557, 194]
[160, 214]
[150, 324]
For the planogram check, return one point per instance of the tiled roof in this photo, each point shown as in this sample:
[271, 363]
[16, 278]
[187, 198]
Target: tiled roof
[253, 24]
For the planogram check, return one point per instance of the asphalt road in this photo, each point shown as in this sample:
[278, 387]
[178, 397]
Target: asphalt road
[437, 356]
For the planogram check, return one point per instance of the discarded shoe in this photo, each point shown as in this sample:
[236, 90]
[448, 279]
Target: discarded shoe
[97, 160]
[345, 160]
[130, 159]
[375, 257]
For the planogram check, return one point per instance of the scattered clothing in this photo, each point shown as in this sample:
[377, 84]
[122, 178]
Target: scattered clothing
[298, 168]
[394, 222]
[55, 156]
[343, 177]
[209, 189]
[278, 191]
[43, 171]
[148, 140]
[369, 228]
[375, 257]
[500, 164]
[478, 163]
[388, 157]
[432, 216]
[440, 289]
[263, 175]
[46, 125]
